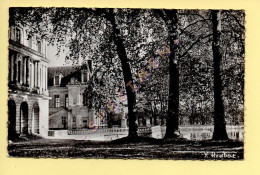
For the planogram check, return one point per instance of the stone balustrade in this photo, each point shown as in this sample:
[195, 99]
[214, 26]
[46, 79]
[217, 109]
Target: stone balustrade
[98, 131]
[190, 132]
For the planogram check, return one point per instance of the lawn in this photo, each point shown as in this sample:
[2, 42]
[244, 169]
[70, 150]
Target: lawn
[141, 148]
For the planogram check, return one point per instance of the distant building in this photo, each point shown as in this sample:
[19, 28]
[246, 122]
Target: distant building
[68, 89]
[28, 102]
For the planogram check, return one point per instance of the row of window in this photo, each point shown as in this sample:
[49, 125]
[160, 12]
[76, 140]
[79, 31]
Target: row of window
[57, 100]
[18, 38]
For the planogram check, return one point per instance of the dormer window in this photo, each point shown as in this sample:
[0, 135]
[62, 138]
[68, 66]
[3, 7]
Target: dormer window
[57, 79]
[84, 77]
[90, 65]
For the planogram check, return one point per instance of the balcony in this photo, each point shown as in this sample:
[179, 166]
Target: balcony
[24, 49]
[13, 86]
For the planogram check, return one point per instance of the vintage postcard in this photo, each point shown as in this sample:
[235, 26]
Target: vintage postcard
[126, 83]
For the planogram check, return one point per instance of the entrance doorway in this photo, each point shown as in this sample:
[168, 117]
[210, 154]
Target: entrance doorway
[36, 118]
[24, 118]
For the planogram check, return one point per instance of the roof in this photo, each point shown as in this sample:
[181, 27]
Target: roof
[64, 70]
[67, 71]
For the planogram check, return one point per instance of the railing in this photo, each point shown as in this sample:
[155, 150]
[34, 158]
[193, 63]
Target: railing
[24, 87]
[188, 132]
[143, 130]
[99, 131]
[19, 45]
[205, 132]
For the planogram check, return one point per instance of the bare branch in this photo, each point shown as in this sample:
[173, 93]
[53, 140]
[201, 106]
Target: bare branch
[191, 46]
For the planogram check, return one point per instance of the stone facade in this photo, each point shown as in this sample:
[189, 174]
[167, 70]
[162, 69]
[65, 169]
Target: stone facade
[28, 101]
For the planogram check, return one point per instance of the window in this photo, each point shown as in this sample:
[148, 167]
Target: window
[56, 80]
[66, 101]
[64, 121]
[74, 119]
[90, 65]
[18, 35]
[85, 77]
[75, 100]
[39, 46]
[57, 101]
[84, 122]
[30, 41]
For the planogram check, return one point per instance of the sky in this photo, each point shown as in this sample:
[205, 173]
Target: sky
[55, 60]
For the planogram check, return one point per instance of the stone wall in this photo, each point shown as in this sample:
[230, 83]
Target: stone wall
[61, 91]
[30, 100]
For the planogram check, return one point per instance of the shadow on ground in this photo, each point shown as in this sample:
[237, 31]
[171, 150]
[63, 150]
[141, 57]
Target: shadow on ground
[129, 148]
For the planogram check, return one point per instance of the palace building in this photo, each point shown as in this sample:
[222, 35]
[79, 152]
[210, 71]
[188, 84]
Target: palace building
[28, 101]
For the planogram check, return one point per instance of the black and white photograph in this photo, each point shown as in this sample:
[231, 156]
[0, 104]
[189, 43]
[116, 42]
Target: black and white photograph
[126, 83]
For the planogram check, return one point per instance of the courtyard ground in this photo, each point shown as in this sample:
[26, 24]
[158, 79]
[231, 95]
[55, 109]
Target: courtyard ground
[141, 148]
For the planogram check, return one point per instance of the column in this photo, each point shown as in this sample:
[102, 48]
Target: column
[24, 70]
[9, 67]
[28, 71]
[39, 76]
[46, 78]
[32, 74]
[21, 71]
[35, 74]
[43, 77]
[16, 69]
[12, 66]
[18, 118]
[41, 70]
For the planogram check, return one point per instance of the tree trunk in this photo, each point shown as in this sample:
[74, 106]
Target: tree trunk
[220, 132]
[172, 119]
[131, 98]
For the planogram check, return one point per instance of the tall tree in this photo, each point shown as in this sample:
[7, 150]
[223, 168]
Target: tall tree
[220, 132]
[131, 98]
[170, 18]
